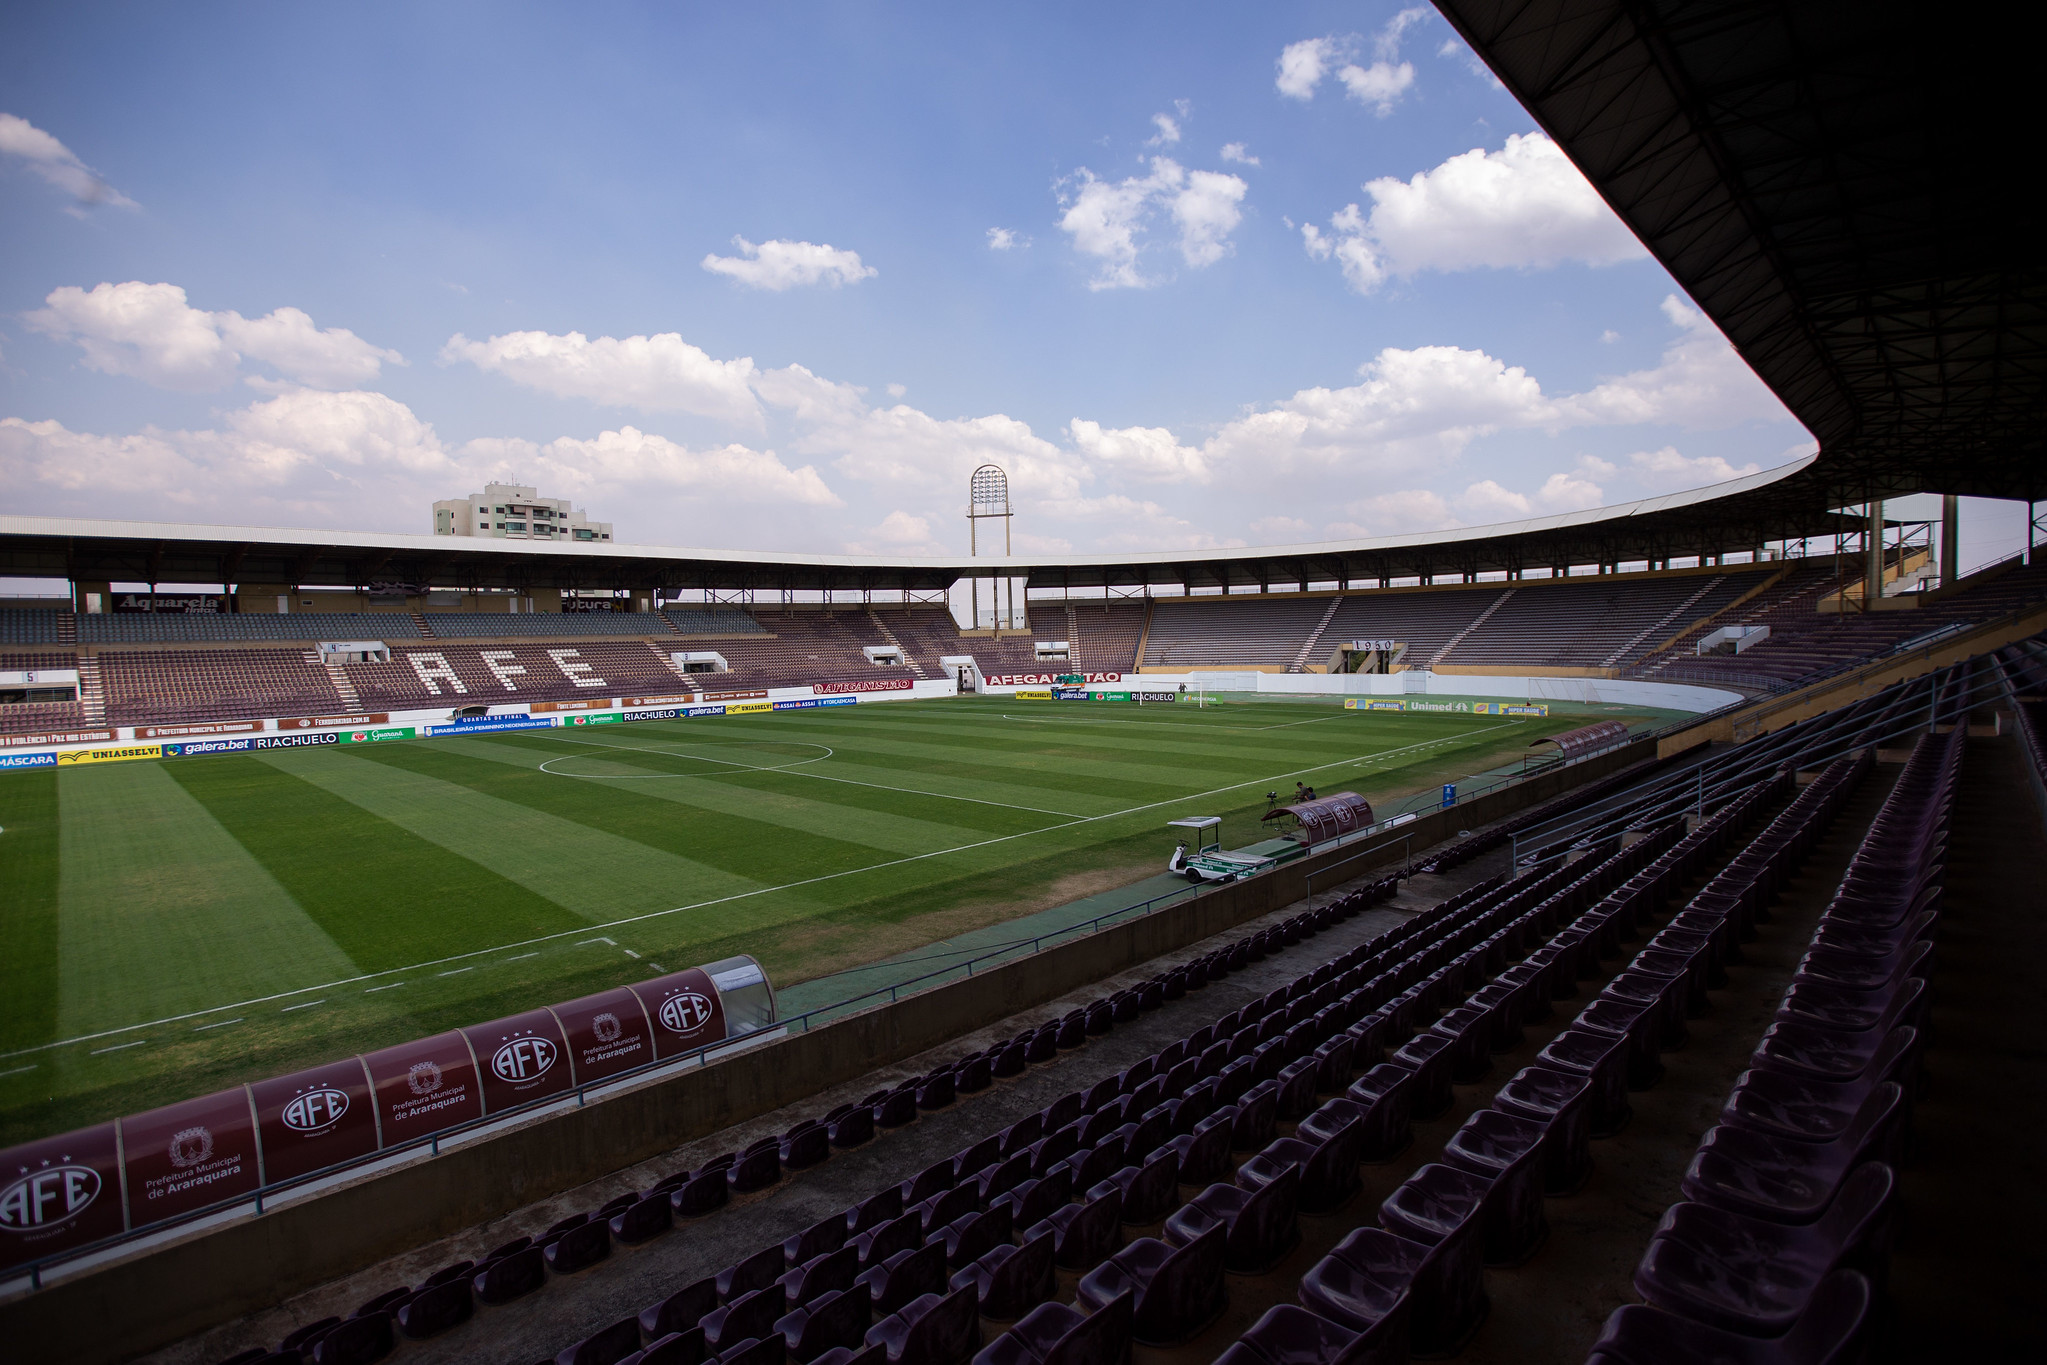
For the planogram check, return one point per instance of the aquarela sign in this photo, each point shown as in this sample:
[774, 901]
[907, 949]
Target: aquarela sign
[75, 1189]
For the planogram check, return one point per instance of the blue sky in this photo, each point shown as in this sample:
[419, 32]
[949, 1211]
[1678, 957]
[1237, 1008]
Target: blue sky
[779, 276]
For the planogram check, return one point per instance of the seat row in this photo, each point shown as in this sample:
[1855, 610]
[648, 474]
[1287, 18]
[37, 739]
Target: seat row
[1779, 1249]
[1414, 1282]
[884, 1230]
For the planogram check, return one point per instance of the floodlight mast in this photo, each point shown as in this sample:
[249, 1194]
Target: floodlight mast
[988, 497]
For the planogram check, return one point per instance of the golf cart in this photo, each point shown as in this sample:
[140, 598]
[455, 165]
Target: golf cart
[1207, 862]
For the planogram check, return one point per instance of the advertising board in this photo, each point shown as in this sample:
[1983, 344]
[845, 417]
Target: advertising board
[1155, 696]
[424, 1086]
[523, 1058]
[335, 722]
[122, 754]
[1027, 679]
[749, 708]
[186, 1156]
[56, 737]
[1069, 694]
[660, 713]
[59, 1193]
[1038, 695]
[736, 696]
[223, 727]
[313, 1119]
[192, 748]
[1508, 708]
[388, 733]
[28, 760]
[299, 741]
[608, 1034]
[1370, 704]
[589, 704]
[489, 725]
[607, 718]
[824, 689]
[686, 1011]
[680, 699]
[809, 703]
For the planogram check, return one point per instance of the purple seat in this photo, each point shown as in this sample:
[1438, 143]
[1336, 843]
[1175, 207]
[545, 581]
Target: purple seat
[699, 1195]
[1785, 1180]
[1561, 1102]
[852, 1127]
[358, 1341]
[1054, 1334]
[1050, 1151]
[1033, 1201]
[1816, 1111]
[899, 1234]
[821, 1275]
[1261, 1224]
[981, 1156]
[969, 1237]
[766, 1350]
[1639, 1024]
[938, 1091]
[756, 1170]
[1084, 1233]
[1004, 1176]
[835, 1319]
[905, 1277]
[1176, 1291]
[933, 1180]
[579, 1248]
[1147, 1135]
[1287, 1335]
[807, 1144]
[1204, 1154]
[642, 1220]
[1333, 1067]
[748, 1316]
[1831, 1331]
[1092, 1165]
[1328, 1166]
[1365, 1284]
[1042, 1045]
[871, 1212]
[606, 1347]
[303, 1337]
[1150, 1191]
[680, 1311]
[1827, 1054]
[814, 1241]
[674, 1348]
[1504, 1150]
[947, 1207]
[1387, 1094]
[437, 1308]
[1754, 1277]
[1470, 1031]
[932, 1330]
[757, 1271]
[1602, 1059]
[1009, 1281]
[1297, 1084]
[1257, 1117]
[1011, 1059]
[1441, 1208]
[895, 1109]
[1428, 1056]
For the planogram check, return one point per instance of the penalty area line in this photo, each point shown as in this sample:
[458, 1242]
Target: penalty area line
[1073, 823]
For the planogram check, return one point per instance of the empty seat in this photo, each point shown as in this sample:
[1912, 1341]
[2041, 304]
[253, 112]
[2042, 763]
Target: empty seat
[836, 1319]
[905, 1277]
[1287, 1335]
[1441, 1208]
[1086, 1232]
[509, 1277]
[579, 1248]
[607, 1346]
[757, 1271]
[750, 1315]
[1602, 1059]
[1009, 1281]
[642, 1219]
[1328, 1166]
[932, 1330]
[1831, 1331]
[1561, 1102]
[1260, 1224]
[1784, 1180]
[1814, 1110]
[1204, 1154]
[1503, 1150]
[1365, 1283]
[1150, 1191]
[826, 1235]
[1754, 1277]
[1177, 1291]
[821, 1275]
[699, 1195]
[1053, 1334]
[680, 1311]
[437, 1308]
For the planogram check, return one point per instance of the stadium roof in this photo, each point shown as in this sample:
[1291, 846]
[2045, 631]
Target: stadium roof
[1834, 184]
[1843, 188]
[1735, 516]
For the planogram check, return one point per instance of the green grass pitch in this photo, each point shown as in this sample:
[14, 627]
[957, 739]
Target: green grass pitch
[176, 927]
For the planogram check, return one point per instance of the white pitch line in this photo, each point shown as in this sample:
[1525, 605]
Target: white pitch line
[788, 768]
[391, 987]
[1365, 760]
[221, 1024]
[102, 1051]
[289, 1008]
[455, 971]
[19, 1070]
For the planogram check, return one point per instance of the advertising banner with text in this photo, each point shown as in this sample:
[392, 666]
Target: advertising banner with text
[186, 1156]
[28, 760]
[124, 754]
[686, 1011]
[56, 737]
[608, 1034]
[59, 1193]
[314, 1119]
[423, 1087]
[377, 736]
[825, 689]
[524, 1058]
[486, 727]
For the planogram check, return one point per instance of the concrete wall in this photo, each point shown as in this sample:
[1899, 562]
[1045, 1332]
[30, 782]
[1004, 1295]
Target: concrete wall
[1515, 686]
[191, 1282]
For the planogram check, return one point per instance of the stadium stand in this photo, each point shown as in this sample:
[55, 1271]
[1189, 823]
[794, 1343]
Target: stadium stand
[808, 647]
[149, 687]
[712, 621]
[131, 628]
[454, 625]
[1223, 1168]
[1205, 633]
[419, 676]
[1588, 623]
[35, 627]
[1103, 636]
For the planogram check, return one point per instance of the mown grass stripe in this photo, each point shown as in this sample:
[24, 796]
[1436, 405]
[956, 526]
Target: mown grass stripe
[29, 915]
[385, 895]
[164, 910]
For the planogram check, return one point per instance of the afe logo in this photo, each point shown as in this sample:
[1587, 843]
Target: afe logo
[191, 1146]
[424, 1078]
[522, 1059]
[316, 1109]
[685, 1012]
[606, 1027]
[46, 1197]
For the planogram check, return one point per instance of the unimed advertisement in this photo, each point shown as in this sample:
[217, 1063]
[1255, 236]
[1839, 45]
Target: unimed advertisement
[607, 1034]
[59, 1193]
[424, 1087]
[524, 1058]
[315, 1118]
[686, 1011]
[186, 1156]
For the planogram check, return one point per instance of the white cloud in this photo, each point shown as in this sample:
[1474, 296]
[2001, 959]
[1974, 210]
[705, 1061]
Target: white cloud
[1004, 239]
[780, 265]
[1104, 218]
[1665, 470]
[1235, 151]
[1168, 131]
[897, 390]
[661, 373]
[628, 465]
[1523, 206]
[1700, 383]
[899, 533]
[1302, 66]
[1381, 514]
[57, 164]
[150, 332]
[1148, 453]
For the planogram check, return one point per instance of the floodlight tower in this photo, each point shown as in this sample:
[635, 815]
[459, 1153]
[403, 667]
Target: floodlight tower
[988, 497]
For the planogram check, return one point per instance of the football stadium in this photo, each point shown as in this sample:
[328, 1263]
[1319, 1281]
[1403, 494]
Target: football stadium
[1608, 935]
